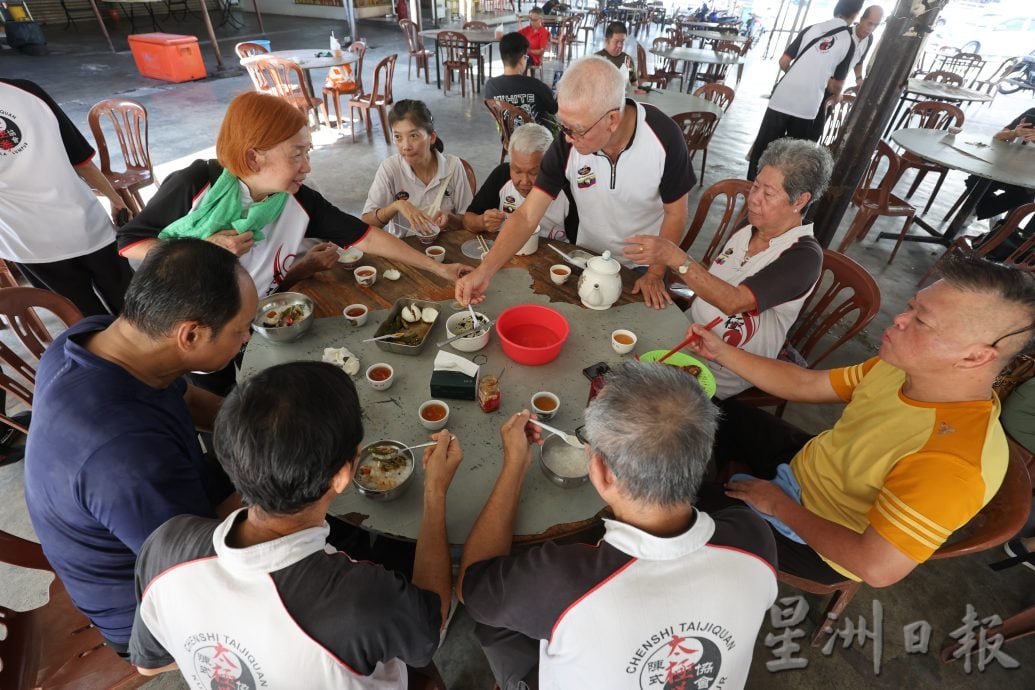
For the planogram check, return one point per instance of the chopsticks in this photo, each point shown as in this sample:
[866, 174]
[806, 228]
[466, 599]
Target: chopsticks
[483, 244]
[714, 322]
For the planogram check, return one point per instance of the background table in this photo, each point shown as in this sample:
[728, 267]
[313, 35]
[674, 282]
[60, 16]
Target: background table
[934, 91]
[715, 36]
[675, 102]
[479, 38]
[307, 60]
[545, 509]
[696, 56]
[980, 155]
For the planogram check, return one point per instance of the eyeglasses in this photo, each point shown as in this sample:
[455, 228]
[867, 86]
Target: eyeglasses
[1011, 333]
[572, 134]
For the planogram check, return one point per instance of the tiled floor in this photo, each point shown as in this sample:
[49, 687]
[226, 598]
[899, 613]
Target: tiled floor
[184, 119]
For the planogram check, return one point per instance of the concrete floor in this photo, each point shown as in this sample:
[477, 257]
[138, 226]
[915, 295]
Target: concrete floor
[184, 120]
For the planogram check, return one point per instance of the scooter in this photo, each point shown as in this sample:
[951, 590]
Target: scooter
[1021, 76]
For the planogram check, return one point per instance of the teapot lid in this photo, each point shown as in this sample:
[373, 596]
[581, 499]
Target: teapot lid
[604, 264]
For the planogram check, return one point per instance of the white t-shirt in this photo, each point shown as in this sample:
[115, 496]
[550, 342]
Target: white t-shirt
[47, 212]
[800, 92]
[395, 179]
[499, 192]
[779, 293]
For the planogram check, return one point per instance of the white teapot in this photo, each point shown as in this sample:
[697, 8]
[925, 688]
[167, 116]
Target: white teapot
[600, 285]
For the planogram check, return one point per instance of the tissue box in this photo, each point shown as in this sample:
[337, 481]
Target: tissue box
[453, 385]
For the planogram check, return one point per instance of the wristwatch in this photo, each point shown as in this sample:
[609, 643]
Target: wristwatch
[685, 266]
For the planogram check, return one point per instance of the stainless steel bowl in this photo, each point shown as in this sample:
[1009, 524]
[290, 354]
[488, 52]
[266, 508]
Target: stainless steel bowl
[552, 446]
[393, 315]
[279, 300]
[365, 454]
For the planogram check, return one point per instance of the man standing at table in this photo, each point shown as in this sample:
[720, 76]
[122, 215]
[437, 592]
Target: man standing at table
[113, 450]
[537, 35]
[527, 93]
[862, 40]
[626, 166]
[690, 588]
[918, 449]
[819, 58]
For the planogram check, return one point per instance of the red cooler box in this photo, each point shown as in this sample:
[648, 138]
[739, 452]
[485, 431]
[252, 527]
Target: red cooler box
[170, 57]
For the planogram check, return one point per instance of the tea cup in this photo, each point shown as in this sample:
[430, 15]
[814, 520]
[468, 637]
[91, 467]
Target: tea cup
[356, 314]
[376, 376]
[545, 404]
[559, 274]
[623, 341]
[437, 410]
[365, 275]
[436, 252]
[429, 236]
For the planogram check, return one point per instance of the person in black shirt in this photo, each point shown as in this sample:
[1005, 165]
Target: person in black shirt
[517, 89]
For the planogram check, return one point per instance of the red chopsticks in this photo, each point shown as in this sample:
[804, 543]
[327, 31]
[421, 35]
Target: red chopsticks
[680, 346]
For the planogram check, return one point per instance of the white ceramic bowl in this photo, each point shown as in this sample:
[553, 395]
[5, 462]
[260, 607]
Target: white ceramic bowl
[623, 348]
[349, 257]
[384, 384]
[433, 425]
[531, 245]
[458, 323]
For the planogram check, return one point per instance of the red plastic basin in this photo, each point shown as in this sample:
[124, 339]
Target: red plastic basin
[532, 334]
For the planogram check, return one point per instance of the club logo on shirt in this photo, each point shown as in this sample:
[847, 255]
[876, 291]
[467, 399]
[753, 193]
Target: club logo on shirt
[403, 195]
[586, 177]
[10, 134]
[674, 659]
[826, 44]
[739, 329]
[721, 258]
[280, 269]
[224, 665]
[509, 204]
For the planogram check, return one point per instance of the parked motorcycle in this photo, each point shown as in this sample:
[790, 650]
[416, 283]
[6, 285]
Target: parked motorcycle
[1020, 76]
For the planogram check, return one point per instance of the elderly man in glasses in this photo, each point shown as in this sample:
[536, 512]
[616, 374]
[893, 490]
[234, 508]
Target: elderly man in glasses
[626, 166]
[918, 450]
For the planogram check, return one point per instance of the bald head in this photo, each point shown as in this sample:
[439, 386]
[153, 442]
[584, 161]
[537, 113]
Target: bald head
[591, 83]
[870, 20]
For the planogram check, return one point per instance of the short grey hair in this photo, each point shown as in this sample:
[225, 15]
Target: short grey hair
[654, 427]
[592, 81]
[530, 138]
[806, 166]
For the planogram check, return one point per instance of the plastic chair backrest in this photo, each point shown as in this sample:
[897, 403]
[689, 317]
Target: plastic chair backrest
[471, 179]
[833, 123]
[844, 288]
[944, 77]
[284, 77]
[414, 43]
[934, 115]
[384, 73]
[698, 127]
[892, 172]
[128, 119]
[54, 646]
[455, 48]
[734, 194]
[507, 116]
[719, 94]
[1001, 518]
[476, 25]
[247, 49]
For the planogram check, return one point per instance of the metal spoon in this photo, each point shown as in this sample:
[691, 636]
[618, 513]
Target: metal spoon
[570, 439]
[385, 337]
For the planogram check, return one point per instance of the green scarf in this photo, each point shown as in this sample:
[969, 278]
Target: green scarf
[221, 210]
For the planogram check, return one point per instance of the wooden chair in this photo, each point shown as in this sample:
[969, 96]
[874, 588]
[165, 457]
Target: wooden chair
[990, 84]
[834, 121]
[659, 79]
[1013, 628]
[698, 128]
[982, 246]
[380, 97]
[996, 523]
[288, 83]
[415, 45]
[875, 199]
[17, 307]
[966, 65]
[716, 72]
[846, 298]
[944, 77]
[668, 67]
[565, 38]
[508, 117]
[128, 119]
[54, 646]
[719, 94]
[456, 53]
[929, 115]
[335, 90]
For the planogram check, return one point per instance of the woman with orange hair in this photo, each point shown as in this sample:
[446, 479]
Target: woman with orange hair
[252, 201]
